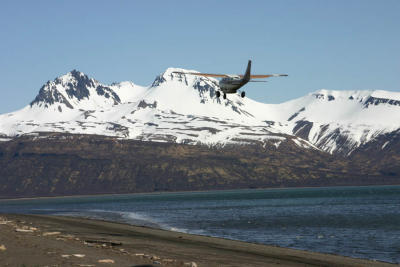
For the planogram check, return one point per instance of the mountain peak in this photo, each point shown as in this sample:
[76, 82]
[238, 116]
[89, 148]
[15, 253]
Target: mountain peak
[72, 88]
[176, 77]
[76, 72]
[74, 76]
[185, 93]
[167, 75]
[170, 75]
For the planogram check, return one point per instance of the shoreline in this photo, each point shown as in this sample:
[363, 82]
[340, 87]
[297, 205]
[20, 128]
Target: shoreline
[70, 241]
[199, 191]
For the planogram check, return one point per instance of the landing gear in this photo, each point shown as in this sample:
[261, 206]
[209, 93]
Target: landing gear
[218, 94]
[243, 94]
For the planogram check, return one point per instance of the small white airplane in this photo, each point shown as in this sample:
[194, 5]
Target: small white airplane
[231, 83]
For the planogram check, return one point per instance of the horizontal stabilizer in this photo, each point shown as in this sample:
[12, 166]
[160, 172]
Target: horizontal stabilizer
[265, 76]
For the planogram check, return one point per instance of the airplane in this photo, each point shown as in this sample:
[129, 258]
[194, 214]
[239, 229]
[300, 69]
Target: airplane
[231, 83]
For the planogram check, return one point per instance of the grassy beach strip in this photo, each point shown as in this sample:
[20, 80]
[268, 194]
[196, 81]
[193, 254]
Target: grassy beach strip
[37, 240]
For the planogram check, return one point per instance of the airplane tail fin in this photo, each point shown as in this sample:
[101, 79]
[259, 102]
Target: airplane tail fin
[246, 75]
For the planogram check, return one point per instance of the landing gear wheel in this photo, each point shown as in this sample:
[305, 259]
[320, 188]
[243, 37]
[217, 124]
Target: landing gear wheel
[243, 94]
[218, 93]
[224, 95]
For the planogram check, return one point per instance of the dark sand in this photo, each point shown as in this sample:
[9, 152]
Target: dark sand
[36, 240]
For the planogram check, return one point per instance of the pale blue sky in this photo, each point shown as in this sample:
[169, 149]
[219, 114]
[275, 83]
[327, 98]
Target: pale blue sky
[341, 45]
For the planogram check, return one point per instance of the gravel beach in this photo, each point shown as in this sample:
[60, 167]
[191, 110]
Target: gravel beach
[38, 240]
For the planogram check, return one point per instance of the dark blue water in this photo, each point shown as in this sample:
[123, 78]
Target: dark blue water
[362, 222]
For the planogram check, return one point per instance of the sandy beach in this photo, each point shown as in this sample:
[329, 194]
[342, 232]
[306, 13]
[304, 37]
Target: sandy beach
[37, 240]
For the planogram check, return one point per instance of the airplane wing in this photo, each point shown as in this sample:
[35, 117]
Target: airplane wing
[265, 76]
[202, 74]
[226, 75]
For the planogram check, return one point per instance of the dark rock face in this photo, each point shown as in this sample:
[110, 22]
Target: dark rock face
[319, 96]
[343, 142]
[302, 129]
[159, 80]
[63, 164]
[205, 86]
[179, 77]
[49, 96]
[118, 128]
[296, 114]
[144, 104]
[322, 96]
[376, 101]
[79, 90]
[107, 92]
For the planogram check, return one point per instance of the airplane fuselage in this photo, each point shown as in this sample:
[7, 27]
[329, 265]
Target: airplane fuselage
[230, 85]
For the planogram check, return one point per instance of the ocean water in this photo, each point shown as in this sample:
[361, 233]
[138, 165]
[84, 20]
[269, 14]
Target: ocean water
[361, 222]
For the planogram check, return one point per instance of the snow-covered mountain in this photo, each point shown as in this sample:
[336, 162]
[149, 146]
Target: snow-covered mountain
[184, 109]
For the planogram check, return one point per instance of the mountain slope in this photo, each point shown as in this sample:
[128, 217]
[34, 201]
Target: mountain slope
[64, 164]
